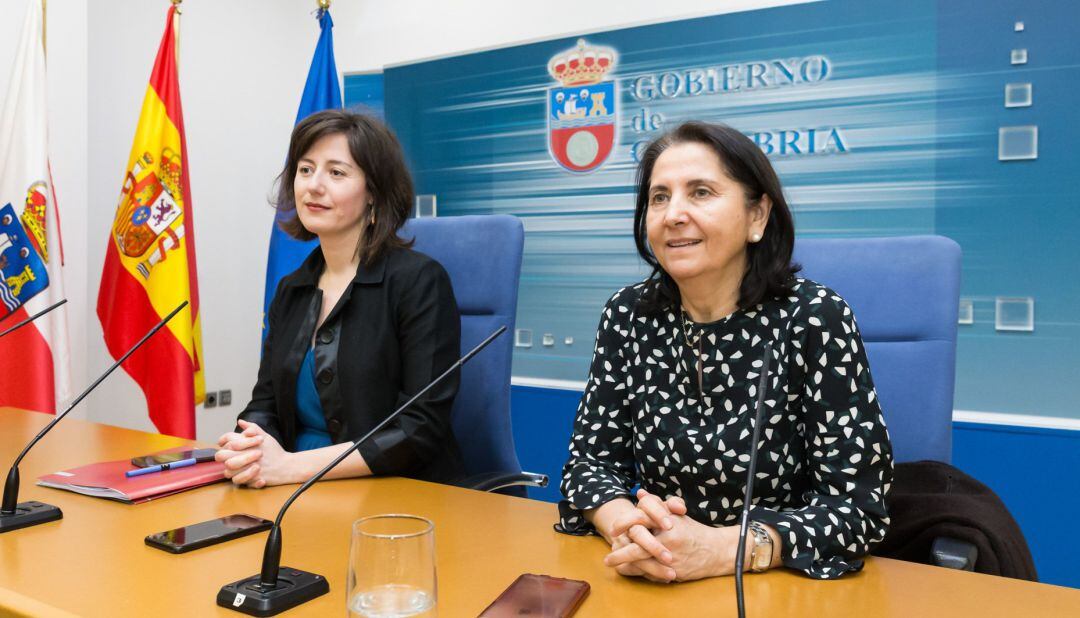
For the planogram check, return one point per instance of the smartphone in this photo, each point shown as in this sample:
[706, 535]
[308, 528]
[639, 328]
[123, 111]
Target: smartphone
[200, 455]
[538, 596]
[197, 536]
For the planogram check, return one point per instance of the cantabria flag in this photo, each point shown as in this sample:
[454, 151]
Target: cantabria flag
[34, 360]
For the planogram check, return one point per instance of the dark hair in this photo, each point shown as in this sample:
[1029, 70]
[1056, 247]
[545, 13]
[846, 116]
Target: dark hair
[769, 269]
[375, 149]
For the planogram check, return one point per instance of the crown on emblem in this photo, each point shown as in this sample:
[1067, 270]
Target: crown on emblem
[582, 65]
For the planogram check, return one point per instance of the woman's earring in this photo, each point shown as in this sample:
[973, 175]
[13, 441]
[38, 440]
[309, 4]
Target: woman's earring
[755, 237]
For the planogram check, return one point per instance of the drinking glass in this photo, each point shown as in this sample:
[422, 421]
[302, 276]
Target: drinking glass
[392, 567]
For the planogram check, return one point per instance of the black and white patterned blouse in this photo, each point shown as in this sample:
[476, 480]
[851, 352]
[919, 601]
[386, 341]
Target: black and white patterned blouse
[824, 464]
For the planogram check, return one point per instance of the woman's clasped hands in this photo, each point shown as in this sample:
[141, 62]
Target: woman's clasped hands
[253, 457]
[655, 539]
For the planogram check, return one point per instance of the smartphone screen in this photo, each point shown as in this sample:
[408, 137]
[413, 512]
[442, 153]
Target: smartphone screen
[145, 461]
[207, 533]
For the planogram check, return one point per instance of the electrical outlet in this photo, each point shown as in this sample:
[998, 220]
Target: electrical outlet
[225, 398]
[211, 400]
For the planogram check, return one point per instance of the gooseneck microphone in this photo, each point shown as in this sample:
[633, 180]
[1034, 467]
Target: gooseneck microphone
[744, 522]
[31, 318]
[15, 515]
[269, 592]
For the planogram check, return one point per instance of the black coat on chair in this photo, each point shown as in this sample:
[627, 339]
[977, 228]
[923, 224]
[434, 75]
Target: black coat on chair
[930, 500]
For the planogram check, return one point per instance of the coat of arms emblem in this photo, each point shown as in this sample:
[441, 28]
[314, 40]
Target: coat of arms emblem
[22, 271]
[582, 111]
[148, 223]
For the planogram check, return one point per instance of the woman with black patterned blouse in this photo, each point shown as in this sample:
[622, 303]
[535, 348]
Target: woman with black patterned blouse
[670, 399]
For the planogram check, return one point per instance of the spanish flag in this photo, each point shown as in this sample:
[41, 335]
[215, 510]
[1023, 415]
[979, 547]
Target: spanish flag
[150, 258]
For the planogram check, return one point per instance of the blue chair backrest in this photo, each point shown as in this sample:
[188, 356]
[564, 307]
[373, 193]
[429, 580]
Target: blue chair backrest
[905, 292]
[482, 254]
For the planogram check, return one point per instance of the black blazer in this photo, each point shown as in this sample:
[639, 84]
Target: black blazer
[394, 330]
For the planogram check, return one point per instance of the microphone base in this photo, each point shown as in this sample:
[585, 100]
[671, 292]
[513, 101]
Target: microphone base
[29, 514]
[293, 588]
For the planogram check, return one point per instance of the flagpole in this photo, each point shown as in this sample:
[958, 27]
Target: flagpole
[44, 16]
[176, 34]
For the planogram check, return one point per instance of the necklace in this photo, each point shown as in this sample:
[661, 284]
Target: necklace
[691, 344]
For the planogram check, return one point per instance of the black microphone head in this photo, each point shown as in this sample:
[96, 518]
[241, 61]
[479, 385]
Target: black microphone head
[762, 388]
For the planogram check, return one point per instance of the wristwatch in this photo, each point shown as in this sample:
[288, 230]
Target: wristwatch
[761, 555]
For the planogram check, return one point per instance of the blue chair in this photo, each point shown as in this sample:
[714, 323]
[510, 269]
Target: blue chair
[905, 292]
[482, 254]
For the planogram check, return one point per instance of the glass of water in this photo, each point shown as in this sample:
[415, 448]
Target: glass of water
[392, 567]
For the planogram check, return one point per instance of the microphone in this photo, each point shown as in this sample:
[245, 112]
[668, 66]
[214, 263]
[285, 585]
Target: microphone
[31, 318]
[744, 522]
[267, 593]
[15, 515]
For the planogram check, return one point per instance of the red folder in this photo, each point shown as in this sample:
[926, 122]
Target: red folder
[107, 480]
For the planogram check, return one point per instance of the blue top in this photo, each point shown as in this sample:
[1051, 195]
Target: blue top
[313, 432]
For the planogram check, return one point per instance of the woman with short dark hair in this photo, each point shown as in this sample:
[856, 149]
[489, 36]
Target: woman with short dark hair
[362, 325]
[670, 399]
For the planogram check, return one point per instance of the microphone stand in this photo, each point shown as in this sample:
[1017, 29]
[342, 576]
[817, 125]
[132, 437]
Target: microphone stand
[763, 385]
[270, 592]
[15, 514]
[31, 318]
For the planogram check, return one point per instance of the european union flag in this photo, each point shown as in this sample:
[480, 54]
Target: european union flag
[320, 92]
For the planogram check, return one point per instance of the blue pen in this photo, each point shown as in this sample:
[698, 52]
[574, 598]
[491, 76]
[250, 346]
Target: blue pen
[183, 463]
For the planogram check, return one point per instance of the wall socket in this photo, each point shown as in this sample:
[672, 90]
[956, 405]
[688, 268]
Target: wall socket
[218, 398]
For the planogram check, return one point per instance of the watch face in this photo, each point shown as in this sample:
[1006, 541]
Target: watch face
[761, 557]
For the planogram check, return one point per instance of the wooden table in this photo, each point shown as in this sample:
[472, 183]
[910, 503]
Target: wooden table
[93, 562]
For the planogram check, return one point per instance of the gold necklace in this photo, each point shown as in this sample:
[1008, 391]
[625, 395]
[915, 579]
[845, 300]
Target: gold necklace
[685, 332]
[689, 344]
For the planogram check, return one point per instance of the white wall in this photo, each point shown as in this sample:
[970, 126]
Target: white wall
[242, 64]
[369, 35]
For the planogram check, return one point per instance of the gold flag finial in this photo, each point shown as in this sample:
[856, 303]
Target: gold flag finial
[176, 32]
[323, 4]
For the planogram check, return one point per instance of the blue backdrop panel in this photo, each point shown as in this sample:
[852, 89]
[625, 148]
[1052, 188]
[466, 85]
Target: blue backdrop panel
[364, 93]
[1015, 220]
[881, 117]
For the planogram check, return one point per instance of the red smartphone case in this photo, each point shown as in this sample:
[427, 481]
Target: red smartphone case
[539, 596]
